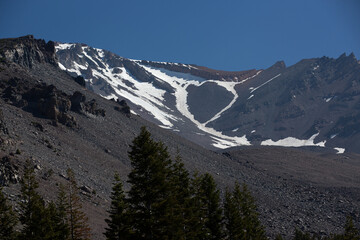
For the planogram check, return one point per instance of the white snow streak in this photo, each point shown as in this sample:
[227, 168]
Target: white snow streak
[328, 99]
[180, 81]
[254, 89]
[229, 86]
[294, 142]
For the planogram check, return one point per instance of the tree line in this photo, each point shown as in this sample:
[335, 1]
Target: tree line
[164, 202]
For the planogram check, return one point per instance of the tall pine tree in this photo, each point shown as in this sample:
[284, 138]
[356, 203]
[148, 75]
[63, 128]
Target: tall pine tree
[241, 217]
[180, 198]
[60, 218]
[118, 222]
[150, 189]
[32, 207]
[211, 204]
[77, 220]
[8, 219]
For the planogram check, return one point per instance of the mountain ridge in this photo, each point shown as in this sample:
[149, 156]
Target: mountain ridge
[220, 105]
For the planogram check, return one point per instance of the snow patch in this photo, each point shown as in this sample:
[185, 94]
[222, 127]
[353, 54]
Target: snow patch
[234, 130]
[252, 95]
[61, 66]
[316, 67]
[294, 142]
[64, 46]
[328, 99]
[339, 150]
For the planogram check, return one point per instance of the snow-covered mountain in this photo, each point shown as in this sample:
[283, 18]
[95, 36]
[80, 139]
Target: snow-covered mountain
[315, 102]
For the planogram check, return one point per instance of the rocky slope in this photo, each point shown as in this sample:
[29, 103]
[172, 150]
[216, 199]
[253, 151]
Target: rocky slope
[312, 103]
[48, 116]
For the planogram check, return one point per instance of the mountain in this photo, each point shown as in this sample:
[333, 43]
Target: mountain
[315, 102]
[49, 117]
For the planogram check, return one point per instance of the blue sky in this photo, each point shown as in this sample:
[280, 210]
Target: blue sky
[227, 35]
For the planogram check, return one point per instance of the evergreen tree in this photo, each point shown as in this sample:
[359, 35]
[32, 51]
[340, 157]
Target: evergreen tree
[241, 218]
[351, 232]
[8, 219]
[118, 222]
[150, 189]
[209, 213]
[60, 219]
[180, 198]
[49, 219]
[299, 235]
[32, 207]
[197, 226]
[213, 211]
[79, 229]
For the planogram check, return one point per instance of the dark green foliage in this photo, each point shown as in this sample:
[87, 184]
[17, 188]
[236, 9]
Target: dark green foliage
[60, 219]
[8, 219]
[50, 218]
[206, 208]
[180, 200]
[211, 205]
[149, 195]
[77, 220]
[241, 217]
[278, 237]
[350, 231]
[32, 207]
[299, 235]
[118, 222]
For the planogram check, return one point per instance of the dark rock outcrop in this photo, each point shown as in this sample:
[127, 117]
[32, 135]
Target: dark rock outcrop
[80, 80]
[79, 104]
[9, 171]
[27, 51]
[123, 107]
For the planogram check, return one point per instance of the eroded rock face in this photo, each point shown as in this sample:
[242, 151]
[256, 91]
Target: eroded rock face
[79, 104]
[27, 51]
[47, 101]
[9, 171]
[51, 103]
[123, 107]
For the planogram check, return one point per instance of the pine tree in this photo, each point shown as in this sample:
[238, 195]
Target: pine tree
[118, 222]
[213, 211]
[32, 207]
[50, 221]
[206, 208]
[8, 219]
[299, 235]
[241, 217]
[350, 231]
[78, 226]
[197, 226]
[61, 226]
[180, 198]
[150, 189]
